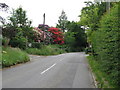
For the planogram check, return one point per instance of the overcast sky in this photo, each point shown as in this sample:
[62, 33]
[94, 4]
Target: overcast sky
[52, 8]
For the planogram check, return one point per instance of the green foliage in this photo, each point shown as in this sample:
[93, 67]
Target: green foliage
[62, 21]
[0, 57]
[46, 50]
[100, 76]
[75, 37]
[88, 50]
[9, 31]
[91, 14]
[19, 18]
[37, 45]
[19, 29]
[5, 41]
[12, 56]
[90, 17]
[102, 27]
[19, 41]
[107, 45]
[69, 38]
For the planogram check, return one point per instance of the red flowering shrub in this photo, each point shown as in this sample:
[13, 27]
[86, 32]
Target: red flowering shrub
[57, 35]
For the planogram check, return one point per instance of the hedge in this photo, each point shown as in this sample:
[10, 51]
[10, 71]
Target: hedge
[106, 42]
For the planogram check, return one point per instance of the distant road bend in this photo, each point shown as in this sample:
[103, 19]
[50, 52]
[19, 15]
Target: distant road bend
[69, 70]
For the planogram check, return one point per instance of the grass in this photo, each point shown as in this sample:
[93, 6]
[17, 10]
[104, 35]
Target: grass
[0, 57]
[12, 56]
[46, 50]
[101, 77]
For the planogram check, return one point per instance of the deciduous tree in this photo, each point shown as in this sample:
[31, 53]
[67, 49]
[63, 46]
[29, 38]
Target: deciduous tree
[62, 21]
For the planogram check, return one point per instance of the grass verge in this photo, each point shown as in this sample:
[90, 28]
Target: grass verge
[101, 77]
[0, 57]
[46, 50]
[12, 56]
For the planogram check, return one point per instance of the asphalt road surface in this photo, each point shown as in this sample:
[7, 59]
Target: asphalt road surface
[69, 70]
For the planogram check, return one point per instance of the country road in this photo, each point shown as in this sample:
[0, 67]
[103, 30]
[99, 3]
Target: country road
[69, 70]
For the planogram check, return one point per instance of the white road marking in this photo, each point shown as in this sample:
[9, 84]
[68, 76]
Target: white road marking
[48, 68]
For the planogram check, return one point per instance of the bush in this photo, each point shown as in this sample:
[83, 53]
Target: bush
[37, 45]
[46, 50]
[106, 42]
[5, 41]
[0, 57]
[12, 56]
[70, 39]
[19, 41]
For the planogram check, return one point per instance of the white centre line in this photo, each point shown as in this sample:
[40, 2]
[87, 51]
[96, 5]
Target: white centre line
[48, 68]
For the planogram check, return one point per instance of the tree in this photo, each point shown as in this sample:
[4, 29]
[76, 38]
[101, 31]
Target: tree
[62, 21]
[90, 17]
[19, 29]
[18, 22]
[103, 33]
[3, 7]
[19, 18]
[69, 39]
[77, 34]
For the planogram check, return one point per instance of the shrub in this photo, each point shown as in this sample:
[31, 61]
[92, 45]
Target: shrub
[39, 35]
[57, 35]
[5, 41]
[37, 45]
[46, 50]
[19, 29]
[0, 57]
[105, 42]
[70, 39]
[19, 41]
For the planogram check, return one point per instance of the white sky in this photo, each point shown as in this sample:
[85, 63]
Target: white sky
[52, 8]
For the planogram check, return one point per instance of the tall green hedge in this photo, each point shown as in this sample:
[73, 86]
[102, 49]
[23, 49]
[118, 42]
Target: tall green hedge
[106, 43]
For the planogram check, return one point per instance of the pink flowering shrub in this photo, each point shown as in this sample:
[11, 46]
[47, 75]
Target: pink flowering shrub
[39, 35]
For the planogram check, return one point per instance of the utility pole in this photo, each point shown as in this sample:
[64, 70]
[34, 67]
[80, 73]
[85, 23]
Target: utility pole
[44, 22]
[108, 6]
[44, 26]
